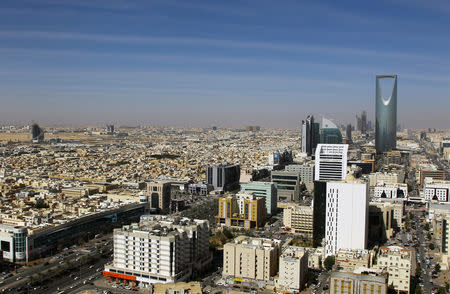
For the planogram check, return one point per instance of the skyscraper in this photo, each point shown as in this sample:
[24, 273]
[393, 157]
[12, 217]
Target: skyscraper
[363, 122]
[386, 116]
[348, 133]
[310, 135]
[330, 133]
[223, 177]
[37, 133]
[331, 162]
[346, 216]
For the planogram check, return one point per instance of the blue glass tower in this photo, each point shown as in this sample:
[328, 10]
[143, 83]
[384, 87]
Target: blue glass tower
[386, 117]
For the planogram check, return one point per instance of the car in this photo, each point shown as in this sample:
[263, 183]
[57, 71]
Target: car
[19, 278]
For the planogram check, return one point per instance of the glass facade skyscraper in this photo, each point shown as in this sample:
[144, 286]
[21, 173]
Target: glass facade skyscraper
[386, 116]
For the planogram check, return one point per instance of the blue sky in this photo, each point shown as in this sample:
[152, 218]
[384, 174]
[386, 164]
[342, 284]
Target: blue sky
[230, 63]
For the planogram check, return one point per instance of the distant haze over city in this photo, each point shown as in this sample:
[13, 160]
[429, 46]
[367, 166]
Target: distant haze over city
[233, 63]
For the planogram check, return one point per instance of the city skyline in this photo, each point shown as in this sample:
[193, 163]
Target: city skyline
[202, 63]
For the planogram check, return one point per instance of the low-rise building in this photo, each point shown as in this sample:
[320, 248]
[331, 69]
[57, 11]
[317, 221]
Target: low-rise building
[393, 191]
[299, 219]
[293, 269]
[351, 259]
[436, 190]
[251, 258]
[358, 283]
[397, 262]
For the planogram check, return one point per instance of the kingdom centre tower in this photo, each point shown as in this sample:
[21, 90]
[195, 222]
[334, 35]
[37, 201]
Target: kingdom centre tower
[386, 116]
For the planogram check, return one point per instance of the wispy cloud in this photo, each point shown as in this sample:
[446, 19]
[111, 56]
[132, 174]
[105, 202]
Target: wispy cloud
[194, 41]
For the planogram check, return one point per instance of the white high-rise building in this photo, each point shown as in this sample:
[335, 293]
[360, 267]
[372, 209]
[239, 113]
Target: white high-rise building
[159, 249]
[331, 162]
[346, 216]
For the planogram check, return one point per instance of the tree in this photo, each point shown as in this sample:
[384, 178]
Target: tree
[427, 226]
[418, 290]
[329, 262]
[227, 233]
[431, 246]
[429, 236]
[437, 268]
[442, 290]
[418, 272]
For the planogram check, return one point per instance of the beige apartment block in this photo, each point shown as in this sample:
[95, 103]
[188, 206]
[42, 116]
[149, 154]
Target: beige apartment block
[293, 269]
[397, 262]
[251, 258]
[299, 219]
[356, 283]
[351, 259]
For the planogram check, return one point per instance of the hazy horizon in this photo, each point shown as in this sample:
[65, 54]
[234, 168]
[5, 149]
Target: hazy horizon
[203, 63]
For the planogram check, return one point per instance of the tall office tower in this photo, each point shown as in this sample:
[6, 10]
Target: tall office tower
[330, 133]
[386, 116]
[363, 122]
[310, 135]
[159, 195]
[159, 249]
[346, 216]
[348, 133]
[37, 133]
[319, 212]
[223, 177]
[331, 162]
[110, 129]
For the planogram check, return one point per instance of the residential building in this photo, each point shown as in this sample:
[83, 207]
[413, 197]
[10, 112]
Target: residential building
[331, 162]
[346, 215]
[251, 258]
[299, 219]
[159, 249]
[266, 190]
[288, 185]
[243, 210]
[397, 262]
[223, 177]
[358, 283]
[293, 271]
[351, 259]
